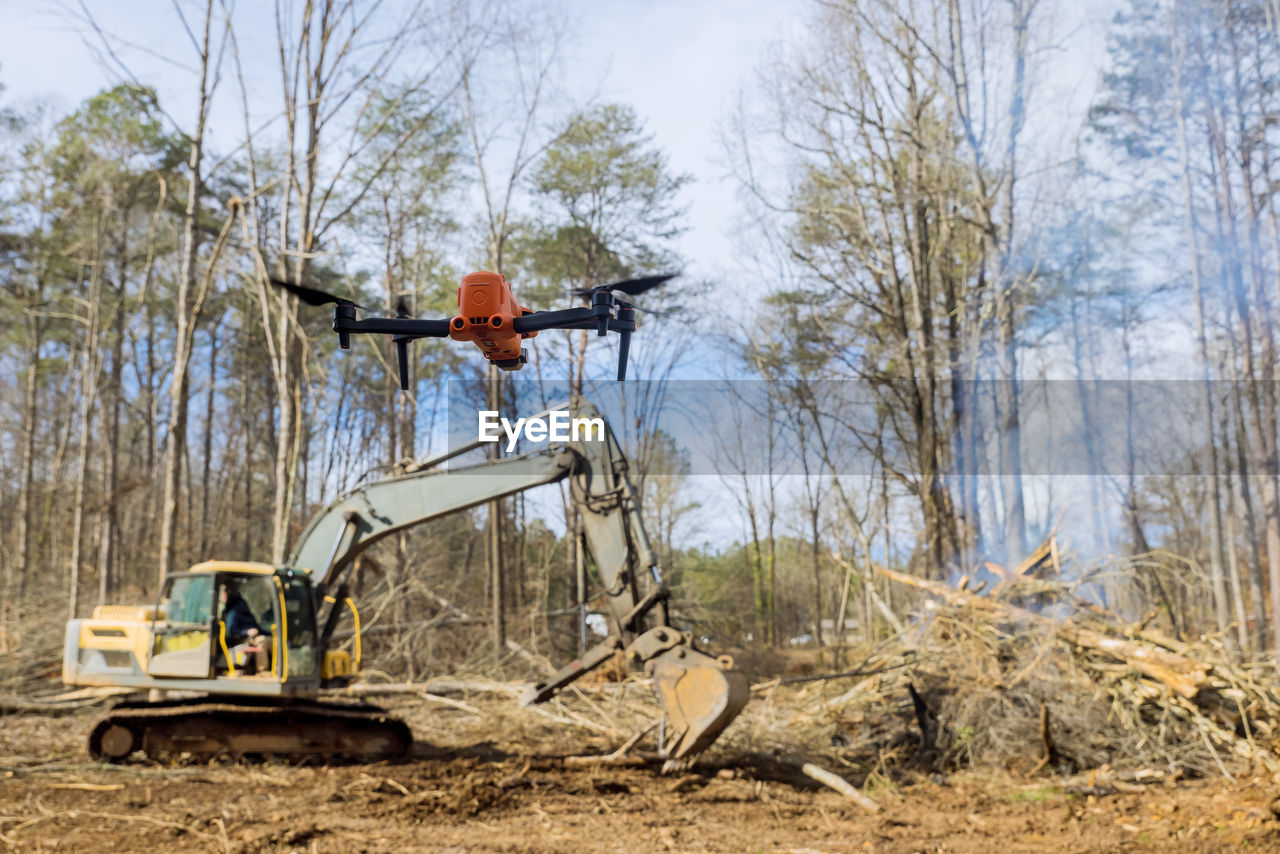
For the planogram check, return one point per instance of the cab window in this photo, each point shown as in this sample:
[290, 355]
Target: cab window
[190, 600]
[259, 594]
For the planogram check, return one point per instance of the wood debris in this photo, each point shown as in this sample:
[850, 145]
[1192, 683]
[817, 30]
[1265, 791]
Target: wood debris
[1032, 645]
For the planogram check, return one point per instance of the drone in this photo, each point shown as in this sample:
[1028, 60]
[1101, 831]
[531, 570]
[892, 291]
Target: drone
[490, 317]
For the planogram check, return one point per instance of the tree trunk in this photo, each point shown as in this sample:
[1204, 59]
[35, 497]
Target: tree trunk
[26, 476]
[494, 557]
[206, 485]
[1257, 597]
[180, 384]
[1234, 572]
[1215, 520]
[109, 523]
[90, 369]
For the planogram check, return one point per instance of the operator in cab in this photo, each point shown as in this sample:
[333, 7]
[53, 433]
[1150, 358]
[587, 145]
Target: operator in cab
[244, 635]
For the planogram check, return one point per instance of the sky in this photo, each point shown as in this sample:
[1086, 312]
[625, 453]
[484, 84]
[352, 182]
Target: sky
[684, 65]
[678, 64]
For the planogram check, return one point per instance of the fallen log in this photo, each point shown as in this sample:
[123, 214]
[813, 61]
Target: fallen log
[447, 685]
[1108, 781]
[611, 761]
[61, 704]
[431, 686]
[452, 703]
[868, 685]
[20, 705]
[840, 784]
[619, 756]
[92, 693]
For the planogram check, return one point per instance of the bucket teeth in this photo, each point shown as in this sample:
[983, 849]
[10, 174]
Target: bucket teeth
[701, 696]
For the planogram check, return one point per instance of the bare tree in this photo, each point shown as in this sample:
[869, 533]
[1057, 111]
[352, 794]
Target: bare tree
[189, 302]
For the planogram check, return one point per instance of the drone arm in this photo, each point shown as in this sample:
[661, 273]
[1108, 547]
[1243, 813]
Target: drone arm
[409, 327]
[565, 318]
[568, 318]
[404, 330]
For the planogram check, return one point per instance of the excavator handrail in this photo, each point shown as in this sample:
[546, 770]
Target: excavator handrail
[356, 650]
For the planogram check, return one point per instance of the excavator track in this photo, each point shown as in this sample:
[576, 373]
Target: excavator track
[203, 729]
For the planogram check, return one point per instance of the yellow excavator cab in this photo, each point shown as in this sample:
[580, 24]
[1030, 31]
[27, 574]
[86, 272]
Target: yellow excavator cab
[185, 641]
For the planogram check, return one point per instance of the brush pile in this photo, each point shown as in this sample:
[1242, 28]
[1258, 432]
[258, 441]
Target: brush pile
[1030, 678]
[1033, 678]
[30, 644]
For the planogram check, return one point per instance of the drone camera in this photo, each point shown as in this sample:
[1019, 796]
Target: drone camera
[514, 364]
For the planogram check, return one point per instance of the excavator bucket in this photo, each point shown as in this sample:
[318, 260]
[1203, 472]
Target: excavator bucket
[701, 695]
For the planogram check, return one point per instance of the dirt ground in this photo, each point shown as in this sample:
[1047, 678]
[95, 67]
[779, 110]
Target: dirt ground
[473, 784]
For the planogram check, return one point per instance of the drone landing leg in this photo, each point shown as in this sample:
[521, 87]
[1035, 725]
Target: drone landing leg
[402, 356]
[624, 346]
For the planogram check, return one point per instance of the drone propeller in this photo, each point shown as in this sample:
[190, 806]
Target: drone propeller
[310, 295]
[315, 296]
[667, 312]
[603, 299]
[630, 287]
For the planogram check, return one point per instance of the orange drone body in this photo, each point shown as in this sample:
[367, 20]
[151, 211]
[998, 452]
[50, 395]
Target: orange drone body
[486, 309]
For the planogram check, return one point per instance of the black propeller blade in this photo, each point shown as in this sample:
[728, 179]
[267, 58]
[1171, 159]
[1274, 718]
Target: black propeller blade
[312, 296]
[630, 287]
[669, 312]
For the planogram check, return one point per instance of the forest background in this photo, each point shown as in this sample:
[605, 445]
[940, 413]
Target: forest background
[961, 274]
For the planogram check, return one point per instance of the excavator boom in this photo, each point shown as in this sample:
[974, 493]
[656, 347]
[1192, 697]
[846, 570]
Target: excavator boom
[701, 694]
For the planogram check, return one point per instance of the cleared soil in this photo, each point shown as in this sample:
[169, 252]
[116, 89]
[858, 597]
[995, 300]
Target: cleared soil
[478, 784]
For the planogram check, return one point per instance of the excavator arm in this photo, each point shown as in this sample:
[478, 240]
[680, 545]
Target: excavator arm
[700, 694]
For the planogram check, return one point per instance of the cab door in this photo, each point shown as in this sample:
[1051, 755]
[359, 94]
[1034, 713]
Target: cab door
[297, 626]
[182, 637]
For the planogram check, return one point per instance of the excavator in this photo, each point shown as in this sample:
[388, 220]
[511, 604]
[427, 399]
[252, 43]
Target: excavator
[209, 694]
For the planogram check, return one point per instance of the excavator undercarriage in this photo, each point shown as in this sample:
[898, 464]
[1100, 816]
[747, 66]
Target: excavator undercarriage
[210, 726]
